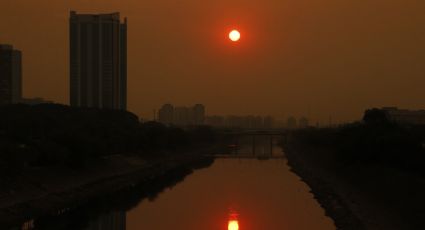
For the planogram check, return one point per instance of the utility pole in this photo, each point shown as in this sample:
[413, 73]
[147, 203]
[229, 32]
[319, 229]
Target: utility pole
[330, 121]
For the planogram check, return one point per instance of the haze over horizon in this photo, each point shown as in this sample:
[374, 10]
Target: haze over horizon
[308, 57]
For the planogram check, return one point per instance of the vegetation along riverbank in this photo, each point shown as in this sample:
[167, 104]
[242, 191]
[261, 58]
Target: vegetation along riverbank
[367, 175]
[54, 157]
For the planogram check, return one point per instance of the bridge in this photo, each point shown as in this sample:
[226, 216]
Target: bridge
[256, 132]
[252, 144]
[247, 156]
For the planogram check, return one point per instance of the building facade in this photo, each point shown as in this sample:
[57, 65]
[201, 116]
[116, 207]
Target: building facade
[10, 75]
[98, 61]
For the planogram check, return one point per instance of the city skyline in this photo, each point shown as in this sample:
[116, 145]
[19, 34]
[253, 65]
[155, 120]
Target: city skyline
[169, 114]
[298, 76]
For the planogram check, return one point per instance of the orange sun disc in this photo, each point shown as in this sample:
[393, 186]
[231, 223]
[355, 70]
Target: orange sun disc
[234, 35]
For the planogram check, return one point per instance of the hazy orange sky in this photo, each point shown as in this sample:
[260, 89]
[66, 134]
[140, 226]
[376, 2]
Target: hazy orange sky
[296, 57]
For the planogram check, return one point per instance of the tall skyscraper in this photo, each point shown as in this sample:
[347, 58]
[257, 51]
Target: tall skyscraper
[98, 61]
[10, 75]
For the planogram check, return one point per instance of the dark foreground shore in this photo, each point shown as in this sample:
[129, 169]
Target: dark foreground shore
[55, 158]
[323, 191]
[47, 193]
[361, 197]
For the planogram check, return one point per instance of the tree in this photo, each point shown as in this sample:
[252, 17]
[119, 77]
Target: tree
[375, 116]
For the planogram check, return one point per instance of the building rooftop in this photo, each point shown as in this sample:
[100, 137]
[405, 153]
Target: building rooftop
[90, 17]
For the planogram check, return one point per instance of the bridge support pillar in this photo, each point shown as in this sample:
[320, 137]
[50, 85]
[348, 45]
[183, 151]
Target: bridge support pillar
[253, 145]
[271, 145]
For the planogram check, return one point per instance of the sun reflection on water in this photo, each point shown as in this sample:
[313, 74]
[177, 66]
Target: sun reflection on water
[233, 221]
[233, 225]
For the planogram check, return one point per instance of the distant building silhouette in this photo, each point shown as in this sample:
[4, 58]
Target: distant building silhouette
[182, 116]
[269, 122]
[303, 122]
[291, 123]
[98, 61]
[405, 116]
[215, 121]
[10, 75]
[198, 114]
[254, 122]
[166, 114]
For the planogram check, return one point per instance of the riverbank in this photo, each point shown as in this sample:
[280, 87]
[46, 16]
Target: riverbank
[360, 196]
[44, 192]
[55, 157]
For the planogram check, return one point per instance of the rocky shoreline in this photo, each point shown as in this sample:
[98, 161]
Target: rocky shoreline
[155, 174]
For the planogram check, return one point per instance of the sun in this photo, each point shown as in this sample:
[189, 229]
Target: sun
[234, 35]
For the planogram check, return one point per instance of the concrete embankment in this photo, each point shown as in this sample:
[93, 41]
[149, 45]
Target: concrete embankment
[372, 197]
[42, 192]
[323, 191]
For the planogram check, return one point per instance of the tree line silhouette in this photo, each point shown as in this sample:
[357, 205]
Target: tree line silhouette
[52, 135]
[374, 140]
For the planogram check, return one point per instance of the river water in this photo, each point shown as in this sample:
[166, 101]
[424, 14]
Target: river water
[258, 193]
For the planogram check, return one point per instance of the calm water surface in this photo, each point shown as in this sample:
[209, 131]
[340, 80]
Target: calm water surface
[264, 194]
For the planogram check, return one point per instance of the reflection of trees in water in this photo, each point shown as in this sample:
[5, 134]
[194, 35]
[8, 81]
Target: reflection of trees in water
[109, 211]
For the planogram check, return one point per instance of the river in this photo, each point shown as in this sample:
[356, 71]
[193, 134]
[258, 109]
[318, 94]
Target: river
[258, 193]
